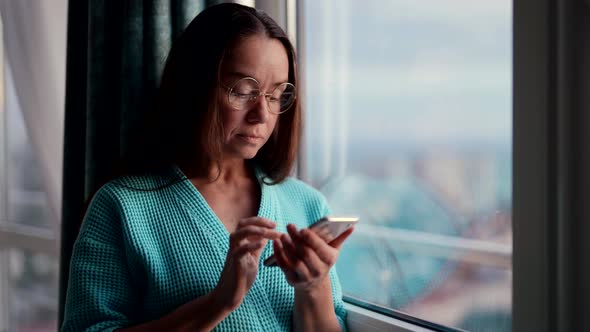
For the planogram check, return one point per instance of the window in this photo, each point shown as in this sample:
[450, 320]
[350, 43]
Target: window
[408, 124]
[31, 119]
[29, 269]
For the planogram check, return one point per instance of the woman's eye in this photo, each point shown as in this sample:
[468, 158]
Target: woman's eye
[244, 96]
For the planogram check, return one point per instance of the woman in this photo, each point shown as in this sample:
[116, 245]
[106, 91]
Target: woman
[176, 243]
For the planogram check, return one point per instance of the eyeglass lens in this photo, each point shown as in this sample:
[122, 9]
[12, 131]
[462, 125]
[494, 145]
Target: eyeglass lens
[246, 91]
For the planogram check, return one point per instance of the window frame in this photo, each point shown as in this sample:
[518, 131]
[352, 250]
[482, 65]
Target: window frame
[548, 228]
[365, 316]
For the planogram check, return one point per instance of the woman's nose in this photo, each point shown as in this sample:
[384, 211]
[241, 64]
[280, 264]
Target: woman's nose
[259, 111]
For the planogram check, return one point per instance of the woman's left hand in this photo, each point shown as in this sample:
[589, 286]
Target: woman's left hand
[305, 257]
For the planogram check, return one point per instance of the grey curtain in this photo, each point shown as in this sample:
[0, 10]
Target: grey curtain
[115, 54]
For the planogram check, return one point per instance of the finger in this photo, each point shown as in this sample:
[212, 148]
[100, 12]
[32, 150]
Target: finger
[314, 264]
[293, 233]
[283, 262]
[245, 248]
[306, 253]
[323, 250]
[295, 237]
[298, 265]
[279, 256]
[289, 250]
[256, 221]
[258, 251]
[337, 242]
[251, 230]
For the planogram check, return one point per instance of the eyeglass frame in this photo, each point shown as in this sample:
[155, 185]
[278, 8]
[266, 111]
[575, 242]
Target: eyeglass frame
[260, 93]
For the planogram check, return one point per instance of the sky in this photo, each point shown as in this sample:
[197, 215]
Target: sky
[418, 72]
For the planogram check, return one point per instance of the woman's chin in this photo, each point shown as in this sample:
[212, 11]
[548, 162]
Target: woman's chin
[249, 156]
[245, 153]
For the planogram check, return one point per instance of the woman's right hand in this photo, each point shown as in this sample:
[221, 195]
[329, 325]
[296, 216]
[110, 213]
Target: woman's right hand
[241, 264]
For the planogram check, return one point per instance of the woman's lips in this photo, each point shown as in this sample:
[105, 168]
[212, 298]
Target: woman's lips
[250, 138]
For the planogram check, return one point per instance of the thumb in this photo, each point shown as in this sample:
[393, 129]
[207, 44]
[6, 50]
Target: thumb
[337, 242]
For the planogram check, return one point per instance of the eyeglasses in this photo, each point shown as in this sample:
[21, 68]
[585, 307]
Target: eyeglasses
[245, 92]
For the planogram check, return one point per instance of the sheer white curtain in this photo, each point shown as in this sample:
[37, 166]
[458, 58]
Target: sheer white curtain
[35, 51]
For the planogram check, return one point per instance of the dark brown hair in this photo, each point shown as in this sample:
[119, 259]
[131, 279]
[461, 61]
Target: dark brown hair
[184, 127]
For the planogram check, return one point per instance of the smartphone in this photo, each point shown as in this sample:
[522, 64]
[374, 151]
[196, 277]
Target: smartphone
[328, 228]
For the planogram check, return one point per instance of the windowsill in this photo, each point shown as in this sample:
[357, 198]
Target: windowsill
[363, 320]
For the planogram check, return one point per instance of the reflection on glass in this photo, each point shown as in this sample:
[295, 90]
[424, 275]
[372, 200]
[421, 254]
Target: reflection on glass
[408, 124]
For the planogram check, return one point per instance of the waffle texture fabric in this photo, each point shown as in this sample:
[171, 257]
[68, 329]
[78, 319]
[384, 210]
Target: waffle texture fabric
[141, 254]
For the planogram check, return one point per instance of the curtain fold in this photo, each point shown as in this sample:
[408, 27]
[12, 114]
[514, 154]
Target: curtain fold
[116, 51]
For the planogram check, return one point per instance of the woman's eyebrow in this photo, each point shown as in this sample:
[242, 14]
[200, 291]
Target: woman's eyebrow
[239, 74]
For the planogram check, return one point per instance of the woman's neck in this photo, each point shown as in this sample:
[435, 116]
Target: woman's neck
[230, 171]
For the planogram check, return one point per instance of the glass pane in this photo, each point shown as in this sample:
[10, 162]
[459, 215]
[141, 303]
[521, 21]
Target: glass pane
[33, 280]
[409, 126]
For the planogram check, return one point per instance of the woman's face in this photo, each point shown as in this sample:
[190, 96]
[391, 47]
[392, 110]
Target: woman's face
[265, 60]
